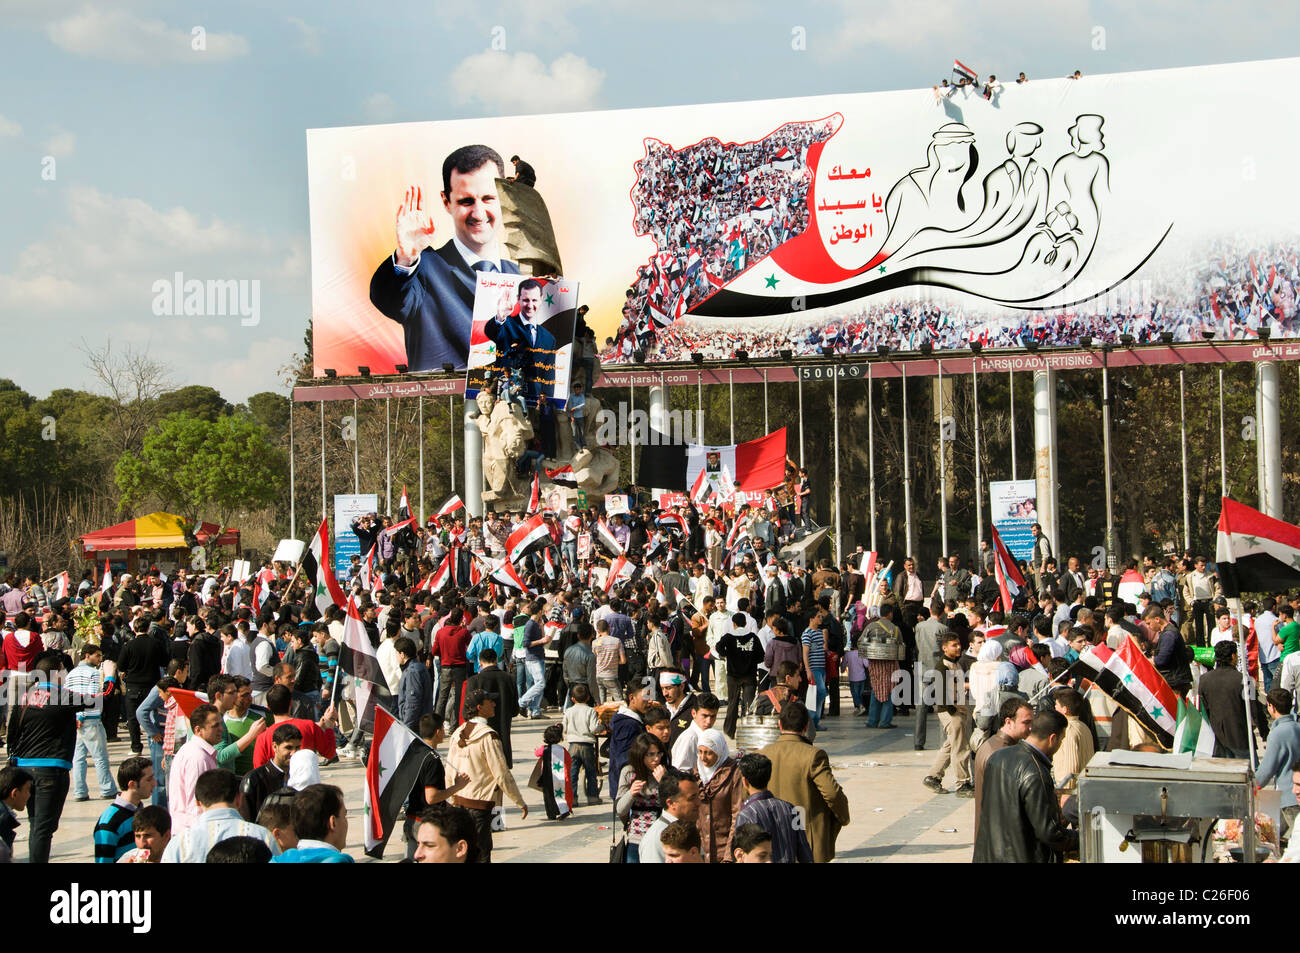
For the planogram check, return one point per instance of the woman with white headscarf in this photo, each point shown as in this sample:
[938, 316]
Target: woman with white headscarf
[721, 794]
[304, 770]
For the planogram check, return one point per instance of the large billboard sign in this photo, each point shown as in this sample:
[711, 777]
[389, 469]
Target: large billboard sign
[1115, 207]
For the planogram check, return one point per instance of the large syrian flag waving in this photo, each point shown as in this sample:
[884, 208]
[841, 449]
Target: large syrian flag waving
[454, 503]
[318, 569]
[1010, 580]
[396, 756]
[404, 507]
[357, 658]
[757, 465]
[620, 571]
[106, 584]
[1128, 677]
[605, 536]
[61, 586]
[531, 533]
[1256, 553]
[506, 575]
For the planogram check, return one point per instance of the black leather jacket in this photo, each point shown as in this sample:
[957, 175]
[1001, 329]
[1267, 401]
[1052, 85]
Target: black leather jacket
[1020, 819]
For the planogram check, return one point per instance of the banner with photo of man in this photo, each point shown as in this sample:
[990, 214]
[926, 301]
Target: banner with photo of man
[521, 342]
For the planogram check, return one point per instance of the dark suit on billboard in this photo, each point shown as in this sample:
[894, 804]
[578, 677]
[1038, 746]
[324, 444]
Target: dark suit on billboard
[516, 348]
[434, 304]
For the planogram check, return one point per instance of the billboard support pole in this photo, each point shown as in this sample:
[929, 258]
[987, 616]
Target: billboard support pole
[1045, 451]
[835, 400]
[451, 433]
[322, 460]
[1269, 445]
[907, 475]
[766, 428]
[699, 408]
[473, 461]
[799, 391]
[356, 455]
[1223, 444]
[1105, 440]
[731, 391]
[631, 436]
[293, 500]
[979, 495]
[1011, 405]
[658, 419]
[943, 470]
[388, 452]
[1182, 422]
[420, 410]
[871, 458]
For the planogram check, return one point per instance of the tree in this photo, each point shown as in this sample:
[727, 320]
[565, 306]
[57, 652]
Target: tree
[133, 383]
[196, 468]
[195, 400]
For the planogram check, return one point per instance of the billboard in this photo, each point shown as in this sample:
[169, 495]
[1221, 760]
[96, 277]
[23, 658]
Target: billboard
[347, 507]
[521, 342]
[1134, 204]
[1013, 505]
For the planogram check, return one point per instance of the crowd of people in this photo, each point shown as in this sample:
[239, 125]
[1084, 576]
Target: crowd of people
[1237, 288]
[686, 668]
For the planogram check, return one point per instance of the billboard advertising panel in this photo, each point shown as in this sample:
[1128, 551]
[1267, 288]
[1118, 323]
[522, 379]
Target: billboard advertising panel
[1013, 505]
[1133, 204]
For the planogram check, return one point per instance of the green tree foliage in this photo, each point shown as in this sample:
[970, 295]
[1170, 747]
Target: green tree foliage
[200, 468]
[195, 400]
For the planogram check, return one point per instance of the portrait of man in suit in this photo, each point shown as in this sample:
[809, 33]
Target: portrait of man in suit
[430, 291]
[522, 342]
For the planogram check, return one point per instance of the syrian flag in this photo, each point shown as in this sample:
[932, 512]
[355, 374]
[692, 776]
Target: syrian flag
[187, 700]
[701, 488]
[404, 507]
[621, 570]
[1192, 733]
[261, 590]
[368, 578]
[1130, 679]
[318, 570]
[547, 563]
[562, 476]
[535, 498]
[1010, 580]
[785, 160]
[106, 584]
[1256, 553]
[396, 756]
[556, 783]
[357, 658]
[61, 586]
[441, 578]
[530, 534]
[475, 574]
[453, 503]
[671, 522]
[506, 575]
[607, 537]
[963, 71]
[660, 596]
[758, 465]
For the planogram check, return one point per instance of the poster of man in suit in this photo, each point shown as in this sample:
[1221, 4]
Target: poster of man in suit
[521, 346]
[428, 290]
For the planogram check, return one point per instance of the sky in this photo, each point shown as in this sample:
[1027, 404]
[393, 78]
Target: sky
[144, 140]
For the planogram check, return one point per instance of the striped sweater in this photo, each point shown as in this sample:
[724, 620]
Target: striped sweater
[113, 836]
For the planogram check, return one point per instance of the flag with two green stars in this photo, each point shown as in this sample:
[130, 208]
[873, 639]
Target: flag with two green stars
[396, 756]
[1129, 678]
[1255, 553]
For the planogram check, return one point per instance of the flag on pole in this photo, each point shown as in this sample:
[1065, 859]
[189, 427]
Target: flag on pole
[1010, 580]
[506, 575]
[620, 571]
[1134, 684]
[530, 534]
[61, 586]
[963, 71]
[396, 756]
[547, 563]
[671, 522]
[607, 538]
[535, 497]
[442, 577]
[1192, 733]
[357, 658]
[106, 584]
[453, 503]
[404, 507]
[1256, 553]
[187, 701]
[368, 578]
[319, 571]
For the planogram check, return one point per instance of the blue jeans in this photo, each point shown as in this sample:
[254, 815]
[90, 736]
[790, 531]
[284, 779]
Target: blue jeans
[159, 798]
[583, 755]
[521, 676]
[634, 853]
[532, 699]
[855, 690]
[819, 679]
[1270, 673]
[92, 742]
[880, 714]
[570, 553]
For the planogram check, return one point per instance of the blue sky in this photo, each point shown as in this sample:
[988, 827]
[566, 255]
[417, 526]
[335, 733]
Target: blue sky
[170, 159]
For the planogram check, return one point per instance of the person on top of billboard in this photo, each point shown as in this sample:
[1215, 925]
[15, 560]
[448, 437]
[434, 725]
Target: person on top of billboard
[522, 342]
[432, 295]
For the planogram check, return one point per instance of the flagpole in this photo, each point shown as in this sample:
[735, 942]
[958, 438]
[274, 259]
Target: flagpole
[631, 436]
[451, 429]
[731, 389]
[1105, 440]
[1182, 423]
[420, 403]
[907, 472]
[979, 496]
[699, 406]
[1223, 444]
[322, 461]
[871, 458]
[943, 470]
[356, 455]
[766, 428]
[799, 390]
[1243, 666]
[293, 501]
[388, 451]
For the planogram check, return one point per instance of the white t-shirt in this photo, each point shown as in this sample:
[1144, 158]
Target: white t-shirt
[1265, 627]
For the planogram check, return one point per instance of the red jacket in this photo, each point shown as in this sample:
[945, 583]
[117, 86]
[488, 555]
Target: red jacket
[22, 657]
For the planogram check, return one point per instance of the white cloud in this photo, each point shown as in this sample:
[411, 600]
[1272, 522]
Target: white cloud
[61, 144]
[9, 128]
[92, 272]
[125, 38]
[308, 35]
[520, 82]
[379, 107]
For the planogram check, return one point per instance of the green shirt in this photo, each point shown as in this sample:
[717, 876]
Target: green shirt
[1290, 635]
[236, 728]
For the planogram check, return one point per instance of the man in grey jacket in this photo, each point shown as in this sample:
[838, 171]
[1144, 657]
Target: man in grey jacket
[1280, 753]
[415, 688]
[929, 635]
[579, 664]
